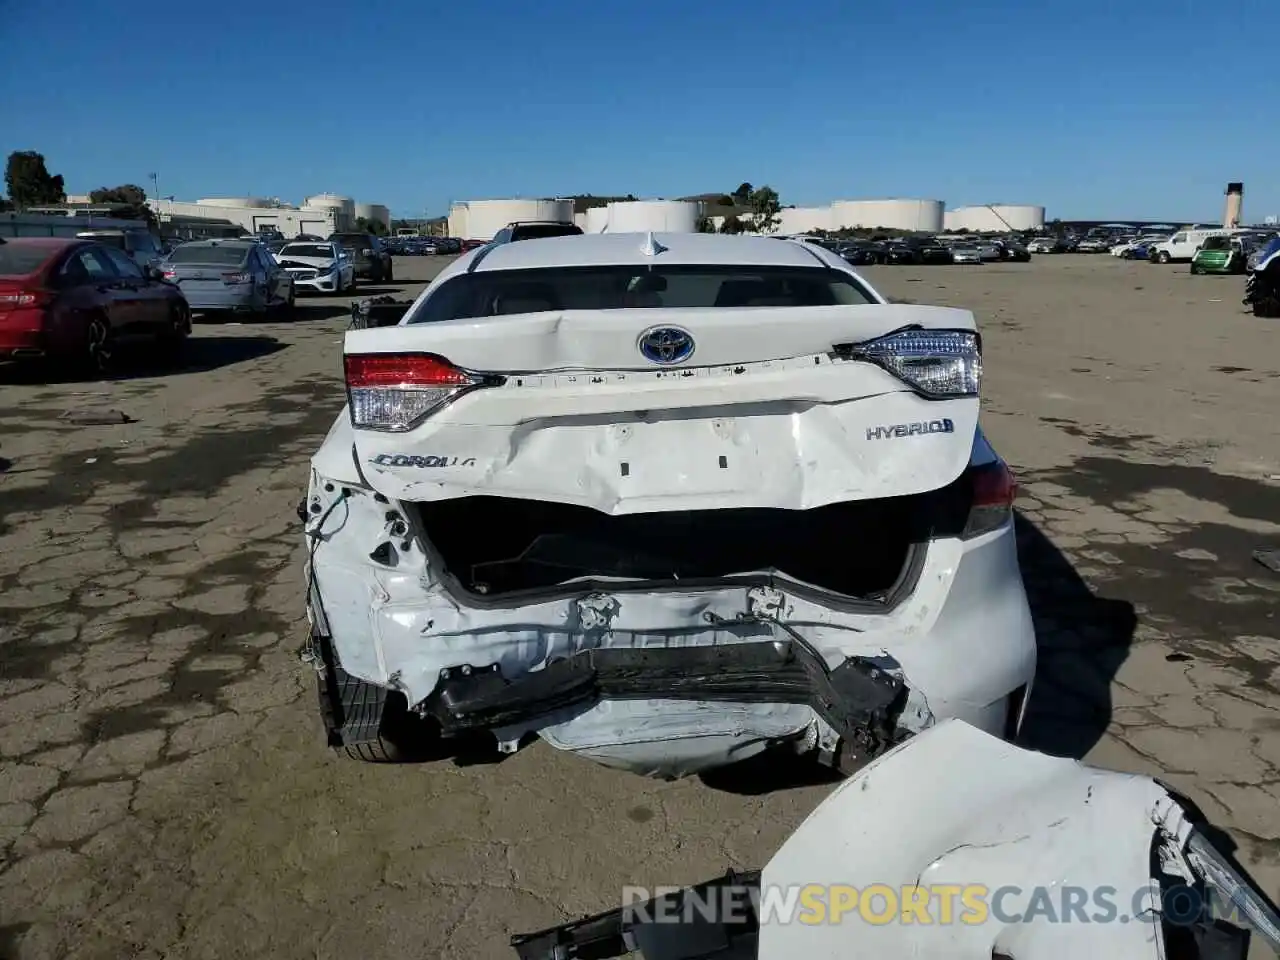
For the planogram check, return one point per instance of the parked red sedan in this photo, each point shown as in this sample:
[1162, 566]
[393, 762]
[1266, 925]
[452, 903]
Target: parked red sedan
[64, 297]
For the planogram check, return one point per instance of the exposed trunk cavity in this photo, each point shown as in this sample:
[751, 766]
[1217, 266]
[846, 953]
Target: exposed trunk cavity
[862, 550]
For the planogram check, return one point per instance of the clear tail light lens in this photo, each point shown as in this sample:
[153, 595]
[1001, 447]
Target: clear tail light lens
[994, 490]
[936, 364]
[394, 392]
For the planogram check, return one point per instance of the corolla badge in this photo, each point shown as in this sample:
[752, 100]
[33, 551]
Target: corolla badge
[666, 345]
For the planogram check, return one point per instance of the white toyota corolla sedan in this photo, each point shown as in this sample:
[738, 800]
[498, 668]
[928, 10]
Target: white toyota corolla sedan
[663, 500]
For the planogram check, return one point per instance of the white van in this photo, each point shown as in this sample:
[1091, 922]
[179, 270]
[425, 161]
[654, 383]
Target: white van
[1184, 244]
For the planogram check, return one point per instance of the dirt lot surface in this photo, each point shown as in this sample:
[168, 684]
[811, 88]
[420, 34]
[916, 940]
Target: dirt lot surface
[164, 787]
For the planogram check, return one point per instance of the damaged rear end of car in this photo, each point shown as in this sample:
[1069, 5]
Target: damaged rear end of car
[666, 538]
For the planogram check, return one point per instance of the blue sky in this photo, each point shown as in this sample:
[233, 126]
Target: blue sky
[1082, 106]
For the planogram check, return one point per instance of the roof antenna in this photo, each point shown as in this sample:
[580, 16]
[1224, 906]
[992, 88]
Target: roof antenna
[651, 246]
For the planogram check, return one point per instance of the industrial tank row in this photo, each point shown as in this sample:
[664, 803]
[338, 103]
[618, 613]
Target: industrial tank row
[481, 219]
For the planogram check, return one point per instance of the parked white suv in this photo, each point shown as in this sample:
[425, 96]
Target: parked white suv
[663, 500]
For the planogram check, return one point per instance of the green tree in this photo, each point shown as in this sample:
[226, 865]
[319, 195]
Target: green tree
[127, 201]
[743, 194]
[765, 209]
[29, 182]
[705, 225]
[731, 224]
[376, 227]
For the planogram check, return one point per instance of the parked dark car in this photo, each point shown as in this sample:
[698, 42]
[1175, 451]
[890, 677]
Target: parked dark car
[862, 254]
[468, 245]
[934, 251]
[901, 253]
[370, 256]
[535, 230]
[144, 246]
[77, 299]
[1012, 251]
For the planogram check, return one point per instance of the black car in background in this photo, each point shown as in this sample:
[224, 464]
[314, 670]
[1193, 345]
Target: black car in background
[1013, 251]
[369, 254]
[934, 251]
[535, 230]
[861, 253]
[902, 254]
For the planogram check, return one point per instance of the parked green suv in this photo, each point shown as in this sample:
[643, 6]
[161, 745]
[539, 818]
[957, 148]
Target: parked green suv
[1223, 254]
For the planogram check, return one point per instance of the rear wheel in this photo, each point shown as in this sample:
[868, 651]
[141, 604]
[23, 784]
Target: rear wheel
[284, 311]
[1162, 256]
[1194, 267]
[174, 335]
[99, 348]
[369, 722]
[390, 274]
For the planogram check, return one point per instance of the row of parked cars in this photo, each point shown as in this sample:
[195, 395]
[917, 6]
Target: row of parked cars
[926, 250]
[79, 298]
[429, 246]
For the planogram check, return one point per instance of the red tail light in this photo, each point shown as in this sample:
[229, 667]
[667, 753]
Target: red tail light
[25, 298]
[994, 491]
[170, 273]
[394, 392]
[402, 370]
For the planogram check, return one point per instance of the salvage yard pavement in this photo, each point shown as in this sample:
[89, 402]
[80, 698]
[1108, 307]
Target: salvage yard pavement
[164, 785]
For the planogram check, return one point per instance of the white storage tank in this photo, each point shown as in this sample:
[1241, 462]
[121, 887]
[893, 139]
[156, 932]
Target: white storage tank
[893, 214]
[597, 220]
[254, 203]
[458, 221]
[374, 212]
[580, 221]
[331, 201]
[804, 220]
[662, 216]
[484, 218]
[996, 218]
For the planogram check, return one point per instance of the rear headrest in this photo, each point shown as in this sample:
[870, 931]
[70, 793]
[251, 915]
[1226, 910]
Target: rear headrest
[740, 293]
[526, 298]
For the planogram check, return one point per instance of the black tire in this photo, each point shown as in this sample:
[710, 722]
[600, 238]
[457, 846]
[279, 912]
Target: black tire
[348, 703]
[286, 311]
[172, 341]
[1163, 257]
[1194, 268]
[390, 276]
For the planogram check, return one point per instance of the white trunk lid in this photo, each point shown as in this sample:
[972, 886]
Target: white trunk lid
[761, 414]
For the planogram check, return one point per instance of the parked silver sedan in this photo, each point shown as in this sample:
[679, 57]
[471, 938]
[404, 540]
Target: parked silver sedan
[237, 276]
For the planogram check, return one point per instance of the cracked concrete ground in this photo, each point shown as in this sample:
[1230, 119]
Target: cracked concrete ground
[164, 788]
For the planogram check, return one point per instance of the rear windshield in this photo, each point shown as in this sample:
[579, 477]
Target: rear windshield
[198, 253]
[351, 239]
[307, 250]
[18, 260]
[493, 293]
[1217, 243]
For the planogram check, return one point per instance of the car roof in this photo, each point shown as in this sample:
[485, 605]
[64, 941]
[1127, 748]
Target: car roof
[51, 243]
[614, 249]
[215, 242]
